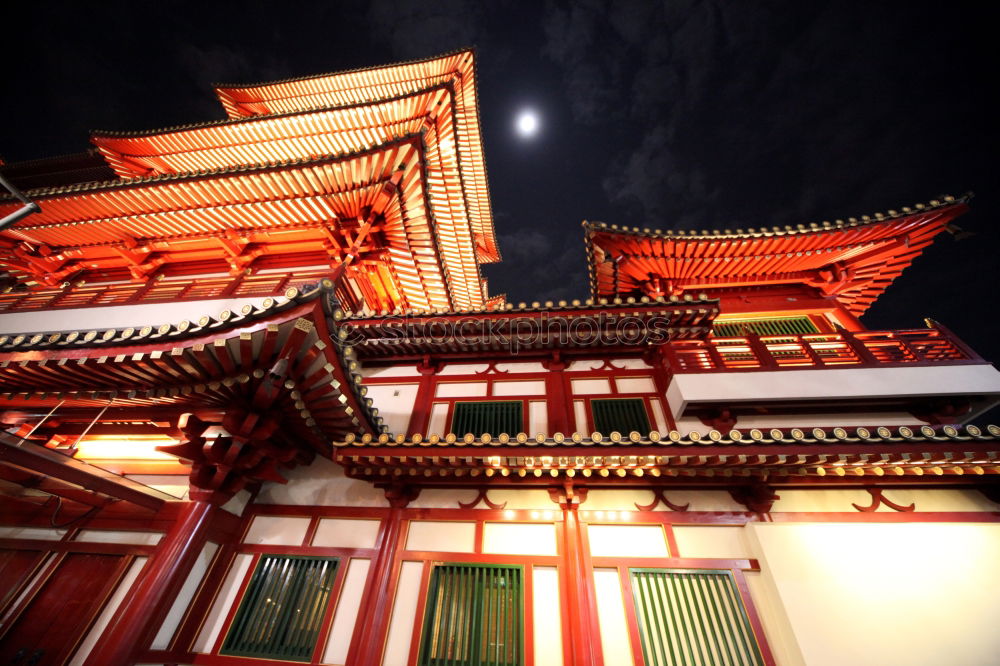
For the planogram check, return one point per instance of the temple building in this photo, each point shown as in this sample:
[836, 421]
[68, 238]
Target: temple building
[259, 406]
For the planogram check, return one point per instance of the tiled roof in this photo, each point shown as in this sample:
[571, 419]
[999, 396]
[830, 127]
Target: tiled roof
[854, 260]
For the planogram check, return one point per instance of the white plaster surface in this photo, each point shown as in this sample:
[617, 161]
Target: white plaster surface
[538, 417]
[711, 541]
[605, 499]
[438, 422]
[519, 538]
[395, 403]
[528, 498]
[627, 541]
[346, 615]
[120, 536]
[910, 593]
[460, 389]
[223, 602]
[832, 384]
[659, 418]
[462, 369]
[598, 386]
[404, 613]
[580, 416]
[238, 502]
[184, 597]
[611, 616]
[441, 535]
[520, 367]
[526, 387]
[277, 530]
[445, 498]
[391, 371]
[346, 533]
[635, 385]
[548, 621]
[321, 483]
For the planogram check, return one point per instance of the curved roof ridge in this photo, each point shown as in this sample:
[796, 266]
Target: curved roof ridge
[944, 201]
[308, 77]
[193, 175]
[222, 122]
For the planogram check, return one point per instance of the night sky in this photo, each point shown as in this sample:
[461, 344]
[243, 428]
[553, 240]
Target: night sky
[703, 115]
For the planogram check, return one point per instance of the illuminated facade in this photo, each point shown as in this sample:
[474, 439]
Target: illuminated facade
[710, 461]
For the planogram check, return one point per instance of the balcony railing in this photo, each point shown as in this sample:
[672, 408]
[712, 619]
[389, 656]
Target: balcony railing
[843, 349]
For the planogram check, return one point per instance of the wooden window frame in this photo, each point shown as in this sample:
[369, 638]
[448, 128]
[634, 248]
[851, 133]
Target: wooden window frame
[453, 414]
[476, 632]
[643, 401]
[654, 616]
[248, 609]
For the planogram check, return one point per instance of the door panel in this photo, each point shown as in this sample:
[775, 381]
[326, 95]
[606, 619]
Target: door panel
[59, 614]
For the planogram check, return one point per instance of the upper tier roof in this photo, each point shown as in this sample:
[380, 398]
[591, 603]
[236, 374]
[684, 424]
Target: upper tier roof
[456, 70]
[853, 261]
[297, 214]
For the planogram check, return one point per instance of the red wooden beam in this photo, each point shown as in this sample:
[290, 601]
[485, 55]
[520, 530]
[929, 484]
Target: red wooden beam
[57, 466]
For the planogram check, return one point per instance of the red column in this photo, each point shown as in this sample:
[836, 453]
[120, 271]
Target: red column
[421, 414]
[583, 645]
[559, 404]
[143, 608]
[372, 624]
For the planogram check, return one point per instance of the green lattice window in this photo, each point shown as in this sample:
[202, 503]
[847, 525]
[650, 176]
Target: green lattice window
[767, 326]
[495, 418]
[281, 612]
[692, 616]
[622, 415]
[475, 616]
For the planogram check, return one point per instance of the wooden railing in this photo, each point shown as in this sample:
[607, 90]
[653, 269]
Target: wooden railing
[843, 349]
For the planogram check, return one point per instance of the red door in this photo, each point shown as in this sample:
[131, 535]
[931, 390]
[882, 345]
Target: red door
[57, 617]
[16, 566]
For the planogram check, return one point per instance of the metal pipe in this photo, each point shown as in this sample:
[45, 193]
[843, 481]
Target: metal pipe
[39, 424]
[28, 208]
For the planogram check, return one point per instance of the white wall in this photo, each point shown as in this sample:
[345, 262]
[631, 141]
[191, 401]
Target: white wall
[914, 593]
[395, 403]
[339, 640]
[321, 483]
[831, 384]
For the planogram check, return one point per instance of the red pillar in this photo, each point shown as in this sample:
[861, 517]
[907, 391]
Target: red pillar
[583, 645]
[143, 608]
[372, 624]
[420, 417]
[559, 404]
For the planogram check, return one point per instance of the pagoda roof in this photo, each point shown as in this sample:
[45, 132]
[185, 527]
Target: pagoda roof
[212, 362]
[272, 216]
[316, 134]
[853, 261]
[373, 84]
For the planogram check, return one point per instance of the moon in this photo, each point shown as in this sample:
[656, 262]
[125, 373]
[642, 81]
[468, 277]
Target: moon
[527, 123]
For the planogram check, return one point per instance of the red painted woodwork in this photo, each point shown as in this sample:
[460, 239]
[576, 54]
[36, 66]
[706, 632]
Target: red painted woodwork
[819, 350]
[583, 641]
[372, 624]
[149, 599]
[850, 263]
[16, 567]
[58, 616]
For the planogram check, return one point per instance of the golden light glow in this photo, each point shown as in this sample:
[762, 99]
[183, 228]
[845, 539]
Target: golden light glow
[117, 447]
